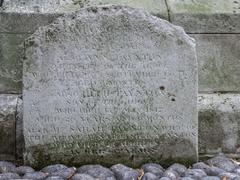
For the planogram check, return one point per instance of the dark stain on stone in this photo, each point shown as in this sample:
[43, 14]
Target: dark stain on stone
[1, 3]
[105, 8]
[162, 88]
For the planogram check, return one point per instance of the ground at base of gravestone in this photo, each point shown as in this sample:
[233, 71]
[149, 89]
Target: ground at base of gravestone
[217, 168]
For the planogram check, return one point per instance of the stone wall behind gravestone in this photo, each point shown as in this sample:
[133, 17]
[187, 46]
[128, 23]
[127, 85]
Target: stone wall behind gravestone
[109, 85]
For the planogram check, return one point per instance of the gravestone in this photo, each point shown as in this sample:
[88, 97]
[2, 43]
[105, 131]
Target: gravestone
[110, 85]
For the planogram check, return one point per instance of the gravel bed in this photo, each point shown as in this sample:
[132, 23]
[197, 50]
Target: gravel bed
[216, 168]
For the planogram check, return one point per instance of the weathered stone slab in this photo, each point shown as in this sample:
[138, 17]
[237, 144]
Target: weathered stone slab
[109, 85]
[19, 131]
[219, 124]
[11, 66]
[13, 30]
[8, 105]
[24, 23]
[156, 7]
[206, 16]
[218, 62]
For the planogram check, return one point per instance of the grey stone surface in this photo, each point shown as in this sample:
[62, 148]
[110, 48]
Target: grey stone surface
[104, 79]
[24, 23]
[11, 66]
[155, 7]
[218, 126]
[218, 62]
[15, 27]
[19, 131]
[206, 16]
[8, 104]
[219, 123]
[218, 54]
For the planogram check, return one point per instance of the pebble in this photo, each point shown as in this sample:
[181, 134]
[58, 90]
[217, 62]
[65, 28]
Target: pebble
[6, 176]
[236, 171]
[179, 168]
[153, 168]
[187, 178]
[171, 174]
[222, 162]
[123, 172]
[82, 177]
[7, 167]
[53, 168]
[228, 176]
[35, 175]
[211, 178]
[209, 170]
[64, 173]
[195, 173]
[149, 176]
[216, 168]
[22, 170]
[165, 178]
[97, 171]
[55, 178]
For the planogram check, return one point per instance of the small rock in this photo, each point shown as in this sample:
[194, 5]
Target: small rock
[195, 173]
[53, 168]
[222, 162]
[228, 176]
[165, 178]
[210, 171]
[237, 171]
[55, 178]
[187, 178]
[35, 175]
[153, 168]
[21, 170]
[97, 171]
[171, 174]
[82, 177]
[179, 168]
[125, 173]
[6, 167]
[85, 168]
[211, 178]
[149, 176]
[6, 176]
[215, 171]
[201, 165]
[65, 173]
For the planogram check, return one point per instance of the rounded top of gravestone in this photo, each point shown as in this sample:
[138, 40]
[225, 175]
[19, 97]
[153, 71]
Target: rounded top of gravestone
[127, 16]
